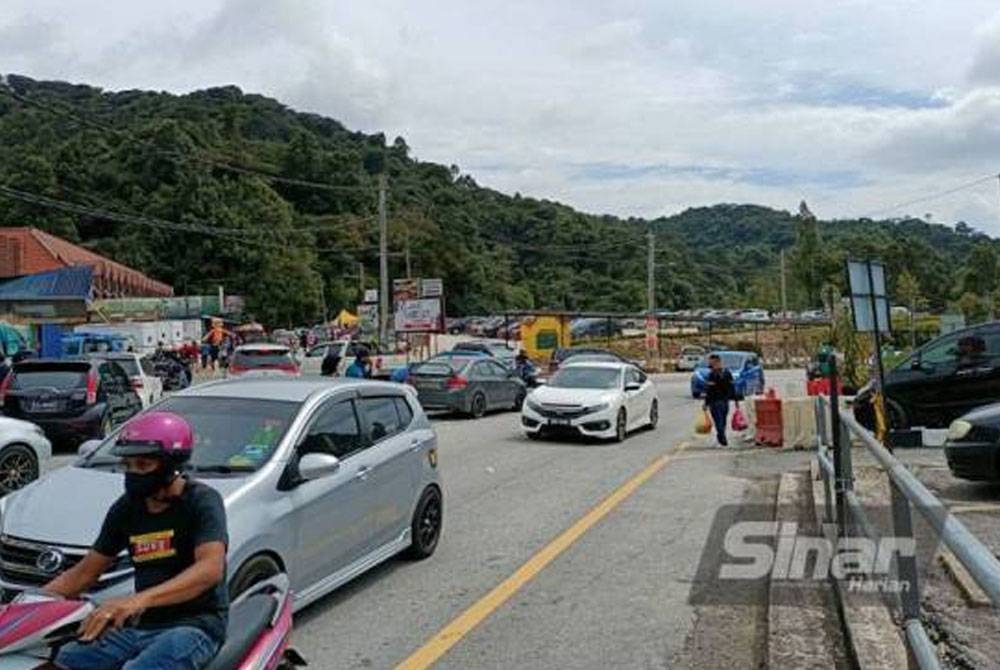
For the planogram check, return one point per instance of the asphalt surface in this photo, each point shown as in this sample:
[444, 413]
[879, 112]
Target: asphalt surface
[616, 597]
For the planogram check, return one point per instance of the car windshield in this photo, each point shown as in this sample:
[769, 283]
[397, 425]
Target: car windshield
[729, 361]
[259, 358]
[232, 435]
[585, 377]
[61, 378]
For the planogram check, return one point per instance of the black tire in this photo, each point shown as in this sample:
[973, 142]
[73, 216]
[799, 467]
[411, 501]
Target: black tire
[654, 414]
[519, 399]
[425, 528]
[254, 571]
[896, 415]
[621, 426]
[18, 467]
[477, 408]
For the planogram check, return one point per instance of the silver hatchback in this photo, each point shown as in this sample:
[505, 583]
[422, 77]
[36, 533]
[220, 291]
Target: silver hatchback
[322, 479]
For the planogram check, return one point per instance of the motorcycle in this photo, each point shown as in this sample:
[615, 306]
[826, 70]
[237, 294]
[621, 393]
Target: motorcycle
[35, 624]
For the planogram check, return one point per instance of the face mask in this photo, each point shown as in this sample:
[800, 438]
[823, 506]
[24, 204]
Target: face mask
[142, 486]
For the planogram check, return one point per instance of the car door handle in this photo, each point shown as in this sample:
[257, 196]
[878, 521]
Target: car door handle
[415, 444]
[362, 473]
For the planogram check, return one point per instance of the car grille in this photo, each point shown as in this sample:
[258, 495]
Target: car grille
[19, 562]
[561, 411]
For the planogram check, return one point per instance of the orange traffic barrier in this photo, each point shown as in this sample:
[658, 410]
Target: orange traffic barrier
[768, 412]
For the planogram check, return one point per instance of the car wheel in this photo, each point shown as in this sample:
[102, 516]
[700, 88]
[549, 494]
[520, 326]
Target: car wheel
[425, 529]
[18, 467]
[896, 415]
[256, 570]
[621, 426]
[519, 400]
[478, 407]
[654, 414]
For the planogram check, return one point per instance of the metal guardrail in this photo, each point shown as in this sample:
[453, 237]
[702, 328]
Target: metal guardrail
[844, 509]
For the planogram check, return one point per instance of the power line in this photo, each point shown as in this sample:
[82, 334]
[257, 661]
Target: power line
[932, 196]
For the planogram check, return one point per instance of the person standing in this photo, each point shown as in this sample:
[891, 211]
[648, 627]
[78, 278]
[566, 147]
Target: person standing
[361, 368]
[718, 392]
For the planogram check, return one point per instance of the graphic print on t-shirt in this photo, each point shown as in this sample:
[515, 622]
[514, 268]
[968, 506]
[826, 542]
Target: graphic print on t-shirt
[152, 546]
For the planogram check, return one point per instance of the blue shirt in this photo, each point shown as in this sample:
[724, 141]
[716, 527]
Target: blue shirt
[401, 374]
[355, 370]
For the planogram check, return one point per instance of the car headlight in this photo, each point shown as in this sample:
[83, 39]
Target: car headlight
[958, 429]
[534, 406]
[600, 407]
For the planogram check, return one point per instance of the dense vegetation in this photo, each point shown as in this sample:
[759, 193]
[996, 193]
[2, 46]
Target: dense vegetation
[207, 161]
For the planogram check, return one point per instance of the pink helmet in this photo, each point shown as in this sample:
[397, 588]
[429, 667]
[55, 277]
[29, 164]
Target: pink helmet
[156, 434]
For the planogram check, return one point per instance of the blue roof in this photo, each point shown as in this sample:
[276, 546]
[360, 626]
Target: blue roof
[71, 283]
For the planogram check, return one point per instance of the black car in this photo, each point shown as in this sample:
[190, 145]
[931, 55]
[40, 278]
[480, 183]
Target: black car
[71, 400]
[973, 446]
[941, 381]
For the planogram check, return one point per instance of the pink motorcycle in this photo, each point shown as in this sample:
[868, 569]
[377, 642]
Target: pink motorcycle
[35, 624]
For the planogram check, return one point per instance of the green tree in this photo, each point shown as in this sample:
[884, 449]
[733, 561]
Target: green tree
[806, 257]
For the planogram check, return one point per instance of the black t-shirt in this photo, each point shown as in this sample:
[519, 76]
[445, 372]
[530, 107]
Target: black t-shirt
[719, 386]
[162, 546]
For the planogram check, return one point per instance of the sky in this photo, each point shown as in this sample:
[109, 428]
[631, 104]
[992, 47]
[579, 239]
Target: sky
[634, 108]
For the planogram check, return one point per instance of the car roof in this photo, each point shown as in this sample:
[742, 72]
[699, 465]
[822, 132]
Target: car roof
[289, 389]
[51, 362]
[613, 365]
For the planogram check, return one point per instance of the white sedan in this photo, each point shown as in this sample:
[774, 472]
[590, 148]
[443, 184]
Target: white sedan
[23, 450]
[589, 399]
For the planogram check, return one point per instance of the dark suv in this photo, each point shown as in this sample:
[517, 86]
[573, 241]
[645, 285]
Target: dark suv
[71, 400]
[941, 381]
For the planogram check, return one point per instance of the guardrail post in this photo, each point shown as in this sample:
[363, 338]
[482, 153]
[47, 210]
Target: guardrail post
[841, 440]
[906, 565]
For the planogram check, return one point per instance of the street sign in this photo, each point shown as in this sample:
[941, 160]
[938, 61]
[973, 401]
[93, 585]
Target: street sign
[869, 300]
[418, 316]
[371, 295]
[952, 322]
[431, 288]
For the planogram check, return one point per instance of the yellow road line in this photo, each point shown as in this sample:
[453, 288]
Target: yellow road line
[464, 623]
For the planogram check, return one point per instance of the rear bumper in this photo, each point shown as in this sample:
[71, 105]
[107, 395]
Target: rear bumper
[449, 401]
[72, 428]
[974, 461]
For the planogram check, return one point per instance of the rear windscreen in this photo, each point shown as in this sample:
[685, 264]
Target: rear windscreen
[59, 379]
[442, 367]
[129, 365]
[262, 358]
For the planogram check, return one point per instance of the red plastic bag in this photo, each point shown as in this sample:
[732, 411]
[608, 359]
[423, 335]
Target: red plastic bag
[739, 421]
[703, 423]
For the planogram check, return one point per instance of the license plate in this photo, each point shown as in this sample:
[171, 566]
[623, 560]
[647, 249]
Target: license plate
[559, 422]
[46, 406]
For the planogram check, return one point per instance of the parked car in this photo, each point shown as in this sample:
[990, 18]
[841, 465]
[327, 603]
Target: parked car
[383, 363]
[941, 381]
[262, 358]
[690, 356]
[973, 445]
[745, 366]
[470, 385]
[755, 316]
[322, 480]
[595, 328]
[23, 450]
[497, 349]
[71, 400]
[600, 400]
[142, 372]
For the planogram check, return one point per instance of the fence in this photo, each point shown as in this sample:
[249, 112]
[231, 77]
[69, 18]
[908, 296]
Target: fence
[845, 511]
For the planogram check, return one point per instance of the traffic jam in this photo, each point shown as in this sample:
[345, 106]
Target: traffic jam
[288, 427]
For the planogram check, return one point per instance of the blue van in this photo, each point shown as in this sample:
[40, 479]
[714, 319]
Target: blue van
[81, 344]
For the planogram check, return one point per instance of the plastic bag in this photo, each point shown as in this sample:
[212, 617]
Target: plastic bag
[703, 423]
[739, 421]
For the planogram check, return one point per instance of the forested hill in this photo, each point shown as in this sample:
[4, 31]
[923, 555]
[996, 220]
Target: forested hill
[216, 184]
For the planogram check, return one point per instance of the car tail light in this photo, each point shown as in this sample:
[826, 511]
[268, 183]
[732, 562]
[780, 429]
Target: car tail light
[236, 369]
[456, 383]
[4, 387]
[92, 388]
[137, 383]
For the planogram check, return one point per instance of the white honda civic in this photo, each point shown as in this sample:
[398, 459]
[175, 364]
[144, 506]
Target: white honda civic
[591, 399]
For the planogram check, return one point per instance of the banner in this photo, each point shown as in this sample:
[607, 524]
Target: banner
[418, 316]
[367, 320]
[405, 289]
[431, 288]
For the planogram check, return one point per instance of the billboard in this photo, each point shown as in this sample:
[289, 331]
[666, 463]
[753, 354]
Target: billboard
[431, 288]
[422, 315]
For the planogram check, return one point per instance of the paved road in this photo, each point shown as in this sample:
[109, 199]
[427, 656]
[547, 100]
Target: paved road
[617, 595]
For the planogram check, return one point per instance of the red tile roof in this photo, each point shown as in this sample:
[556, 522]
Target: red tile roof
[25, 251]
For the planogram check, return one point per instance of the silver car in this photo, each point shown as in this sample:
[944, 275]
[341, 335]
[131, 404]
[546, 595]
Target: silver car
[322, 479]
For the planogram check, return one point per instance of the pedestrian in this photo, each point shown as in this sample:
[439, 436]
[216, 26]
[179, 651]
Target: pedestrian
[331, 361]
[719, 391]
[361, 368]
[401, 375]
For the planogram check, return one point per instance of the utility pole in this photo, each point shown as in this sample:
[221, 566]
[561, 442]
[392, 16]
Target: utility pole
[784, 293]
[383, 264]
[651, 273]
[361, 282]
[409, 274]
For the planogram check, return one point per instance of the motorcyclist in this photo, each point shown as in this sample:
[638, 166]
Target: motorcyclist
[175, 532]
[525, 368]
[361, 368]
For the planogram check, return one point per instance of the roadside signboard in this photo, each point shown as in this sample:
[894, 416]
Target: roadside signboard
[952, 322]
[869, 298]
[371, 295]
[422, 315]
[368, 320]
[652, 334]
[405, 289]
[431, 288]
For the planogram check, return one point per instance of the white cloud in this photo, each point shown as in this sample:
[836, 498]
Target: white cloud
[852, 105]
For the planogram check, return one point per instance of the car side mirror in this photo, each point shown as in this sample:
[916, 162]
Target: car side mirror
[916, 364]
[316, 465]
[633, 386]
[87, 448]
